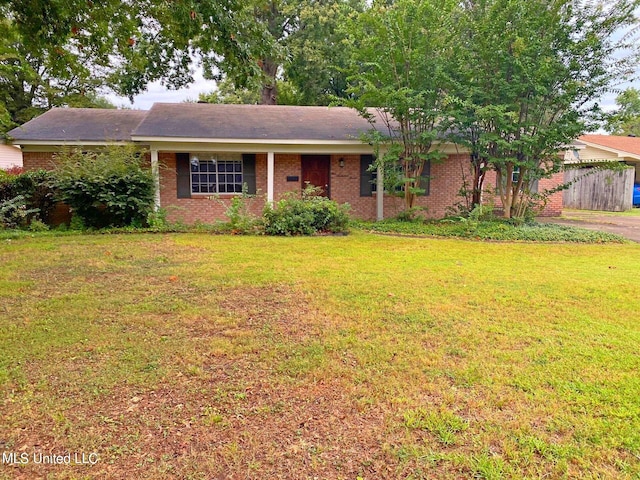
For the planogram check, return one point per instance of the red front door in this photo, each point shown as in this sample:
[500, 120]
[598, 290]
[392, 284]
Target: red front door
[315, 170]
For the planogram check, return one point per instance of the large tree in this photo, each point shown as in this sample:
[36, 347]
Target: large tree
[524, 81]
[306, 55]
[54, 52]
[399, 53]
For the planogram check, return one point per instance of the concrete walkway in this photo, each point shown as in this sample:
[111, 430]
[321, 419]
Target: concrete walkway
[623, 224]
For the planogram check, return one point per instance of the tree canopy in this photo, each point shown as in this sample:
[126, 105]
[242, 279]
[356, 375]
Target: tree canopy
[61, 52]
[515, 82]
[306, 61]
[399, 53]
[626, 119]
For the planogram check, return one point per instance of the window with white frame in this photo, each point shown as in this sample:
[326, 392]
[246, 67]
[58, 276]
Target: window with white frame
[216, 173]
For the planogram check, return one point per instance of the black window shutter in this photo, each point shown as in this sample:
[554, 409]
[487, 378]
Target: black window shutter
[249, 172]
[183, 175]
[366, 187]
[425, 181]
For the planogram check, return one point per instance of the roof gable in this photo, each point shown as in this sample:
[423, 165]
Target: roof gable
[614, 143]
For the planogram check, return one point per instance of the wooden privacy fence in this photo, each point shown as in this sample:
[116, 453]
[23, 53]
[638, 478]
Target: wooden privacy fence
[610, 191]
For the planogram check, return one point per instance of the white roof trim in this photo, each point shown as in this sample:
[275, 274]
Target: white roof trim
[246, 141]
[621, 153]
[74, 143]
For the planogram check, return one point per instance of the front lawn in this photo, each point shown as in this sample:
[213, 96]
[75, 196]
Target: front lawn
[193, 356]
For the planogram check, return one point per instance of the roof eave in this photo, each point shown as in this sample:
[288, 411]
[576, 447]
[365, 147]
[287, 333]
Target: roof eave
[621, 153]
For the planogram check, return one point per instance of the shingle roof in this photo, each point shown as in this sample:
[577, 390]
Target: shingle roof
[272, 122]
[191, 121]
[624, 144]
[80, 124]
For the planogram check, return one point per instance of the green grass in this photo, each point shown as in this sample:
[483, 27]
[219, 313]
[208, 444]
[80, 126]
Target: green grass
[204, 356]
[585, 214]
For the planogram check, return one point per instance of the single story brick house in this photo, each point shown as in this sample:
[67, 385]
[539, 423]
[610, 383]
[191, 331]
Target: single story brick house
[200, 150]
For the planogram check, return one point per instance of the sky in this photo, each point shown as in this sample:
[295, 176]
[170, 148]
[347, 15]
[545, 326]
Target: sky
[156, 92]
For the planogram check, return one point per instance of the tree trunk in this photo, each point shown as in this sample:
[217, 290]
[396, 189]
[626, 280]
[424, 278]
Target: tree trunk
[269, 94]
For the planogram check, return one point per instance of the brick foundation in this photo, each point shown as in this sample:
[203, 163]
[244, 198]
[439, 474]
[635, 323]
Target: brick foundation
[553, 205]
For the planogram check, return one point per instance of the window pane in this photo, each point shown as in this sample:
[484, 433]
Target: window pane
[212, 178]
[223, 188]
[203, 178]
[195, 189]
[238, 188]
[238, 178]
[237, 167]
[230, 178]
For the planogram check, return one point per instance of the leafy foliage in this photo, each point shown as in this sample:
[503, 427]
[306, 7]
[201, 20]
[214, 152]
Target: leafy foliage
[517, 97]
[502, 230]
[63, 52]
[238, 211]
[106, 188]
[397, 70]
[305, 59]
[308, 214]
[626, 120]
[14, 212]
[35, 189]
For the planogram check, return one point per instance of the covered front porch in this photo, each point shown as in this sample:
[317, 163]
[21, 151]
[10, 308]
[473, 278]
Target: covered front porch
[197, 181]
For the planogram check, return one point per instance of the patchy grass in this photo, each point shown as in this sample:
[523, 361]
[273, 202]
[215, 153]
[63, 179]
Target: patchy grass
[492, 230]
[196, 356]
[571, 214]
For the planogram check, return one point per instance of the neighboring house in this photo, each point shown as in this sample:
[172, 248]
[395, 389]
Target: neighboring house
[602, 190]
[202, 150]
[10, 156]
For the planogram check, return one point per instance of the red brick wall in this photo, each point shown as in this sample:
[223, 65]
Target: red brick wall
[553, 206]
[38, 160]
[446, 179]
[445, 184]
[285, 165]
[200, 208]
[345, 188]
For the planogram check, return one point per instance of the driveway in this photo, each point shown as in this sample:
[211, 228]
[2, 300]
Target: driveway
[626, 224]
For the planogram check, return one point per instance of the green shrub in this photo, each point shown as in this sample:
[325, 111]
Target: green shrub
[36, 189]
[238, 211]
[14, 212]
[305, 215]
[107, 188]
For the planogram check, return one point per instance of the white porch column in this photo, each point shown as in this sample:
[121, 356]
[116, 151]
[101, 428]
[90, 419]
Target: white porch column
[155, 171]
[380, 194]
[270, 176]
